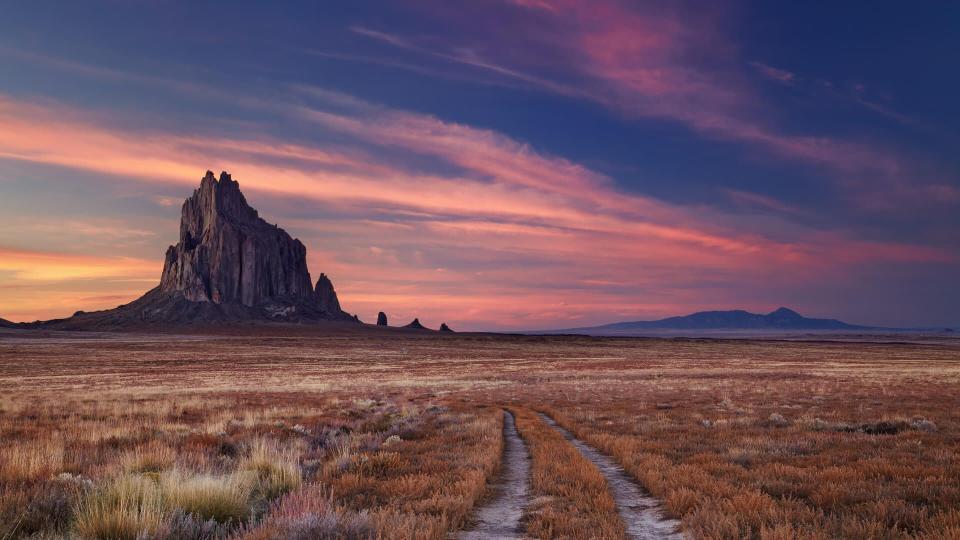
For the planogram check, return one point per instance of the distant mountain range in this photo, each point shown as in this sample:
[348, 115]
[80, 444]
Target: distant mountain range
[5, 323]
[738, 319]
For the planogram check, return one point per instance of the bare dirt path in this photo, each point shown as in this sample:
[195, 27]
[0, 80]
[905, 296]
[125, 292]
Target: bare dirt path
[500, 517]
[640, 512]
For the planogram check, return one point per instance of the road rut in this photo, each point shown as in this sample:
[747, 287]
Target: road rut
[500, 517]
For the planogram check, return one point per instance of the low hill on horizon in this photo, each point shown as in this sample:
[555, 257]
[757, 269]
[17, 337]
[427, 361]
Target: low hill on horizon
[738, 319]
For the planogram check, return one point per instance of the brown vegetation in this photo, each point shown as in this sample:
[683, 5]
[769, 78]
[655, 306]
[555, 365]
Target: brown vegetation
[353, 437]
[572, 498]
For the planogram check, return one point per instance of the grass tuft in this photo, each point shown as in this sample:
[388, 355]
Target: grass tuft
[223, 498]
[150, 458]
[277, 471]
[122, 509]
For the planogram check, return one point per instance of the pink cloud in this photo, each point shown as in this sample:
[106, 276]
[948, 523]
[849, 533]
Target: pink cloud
[511, 234]
[653, 61]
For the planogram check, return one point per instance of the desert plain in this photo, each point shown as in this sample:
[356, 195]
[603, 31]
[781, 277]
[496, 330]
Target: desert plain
[287, 433]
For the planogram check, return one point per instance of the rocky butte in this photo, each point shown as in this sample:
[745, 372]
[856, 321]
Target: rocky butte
[229, 265]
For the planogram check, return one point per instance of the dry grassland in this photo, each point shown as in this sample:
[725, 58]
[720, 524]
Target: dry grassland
[266, 437]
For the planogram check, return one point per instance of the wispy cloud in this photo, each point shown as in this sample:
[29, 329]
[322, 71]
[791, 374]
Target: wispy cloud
[540, 227]
[469, 57]
[410, 190]
[748, 200]
[640, 62]
[775, 74]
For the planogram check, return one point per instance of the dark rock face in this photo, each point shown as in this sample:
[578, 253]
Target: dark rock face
[229, 266]
[381, 319]
[416, 325]
[325, 296]
[227, 254]
[6, 324]
[445, 328]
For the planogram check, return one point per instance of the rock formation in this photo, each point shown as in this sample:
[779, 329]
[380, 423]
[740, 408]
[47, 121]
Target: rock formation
[445, 328]
[227, 254]
[381, 319]
[326, 297]
[228, 266]
[415, 324]
[6, 324]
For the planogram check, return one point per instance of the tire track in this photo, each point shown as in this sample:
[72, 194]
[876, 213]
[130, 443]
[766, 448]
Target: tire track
[500, 517]
[640, 512]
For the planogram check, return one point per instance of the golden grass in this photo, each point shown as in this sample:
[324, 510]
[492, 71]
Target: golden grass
[572, 497]
[222, 498]
[152, 457]
[30, 462]
[122, 509]
[131, 505]
[275, 469]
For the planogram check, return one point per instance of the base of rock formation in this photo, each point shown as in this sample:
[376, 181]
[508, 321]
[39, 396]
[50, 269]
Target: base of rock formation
[173, 309]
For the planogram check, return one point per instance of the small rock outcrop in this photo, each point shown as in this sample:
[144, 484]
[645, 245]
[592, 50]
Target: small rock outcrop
[381, 319]
[445, 328]
[6, 324]
[229, 265]
[415, 324]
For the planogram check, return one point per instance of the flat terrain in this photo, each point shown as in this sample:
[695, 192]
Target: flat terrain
[405, 436]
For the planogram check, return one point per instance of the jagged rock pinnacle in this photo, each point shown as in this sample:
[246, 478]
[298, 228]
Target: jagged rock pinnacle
[326, 296]
[228, 254]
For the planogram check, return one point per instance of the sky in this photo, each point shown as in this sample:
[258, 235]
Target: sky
[496, 164]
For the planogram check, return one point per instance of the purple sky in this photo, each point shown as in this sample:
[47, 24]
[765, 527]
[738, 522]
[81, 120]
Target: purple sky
[501, 164]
